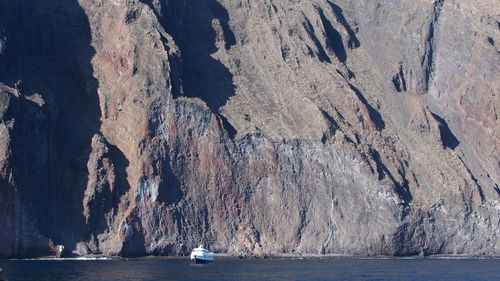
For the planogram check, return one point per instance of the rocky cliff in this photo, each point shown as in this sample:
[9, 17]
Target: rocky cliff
[257, 127]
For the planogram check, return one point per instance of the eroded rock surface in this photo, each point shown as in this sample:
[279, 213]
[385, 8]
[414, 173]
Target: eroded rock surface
[256, 127]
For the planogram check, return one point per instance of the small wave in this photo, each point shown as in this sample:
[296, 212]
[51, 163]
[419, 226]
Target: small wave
[88, 258]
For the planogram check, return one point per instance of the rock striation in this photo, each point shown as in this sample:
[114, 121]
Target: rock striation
[260, 128]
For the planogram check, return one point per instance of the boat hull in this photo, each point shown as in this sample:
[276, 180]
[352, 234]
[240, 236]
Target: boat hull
[201, 261]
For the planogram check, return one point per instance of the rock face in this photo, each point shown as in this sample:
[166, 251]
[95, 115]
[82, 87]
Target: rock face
[257, 127]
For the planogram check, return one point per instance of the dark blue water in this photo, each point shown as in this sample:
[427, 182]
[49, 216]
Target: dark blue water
[255, 269]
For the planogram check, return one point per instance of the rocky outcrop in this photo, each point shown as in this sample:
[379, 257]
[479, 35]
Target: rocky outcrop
[257, 127]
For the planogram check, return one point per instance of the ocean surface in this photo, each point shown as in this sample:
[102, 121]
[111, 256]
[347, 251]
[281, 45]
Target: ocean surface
[254, 269]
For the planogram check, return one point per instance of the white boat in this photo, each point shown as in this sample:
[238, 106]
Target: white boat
[202, 255]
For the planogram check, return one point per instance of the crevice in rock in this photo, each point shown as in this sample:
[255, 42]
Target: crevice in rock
[428, 58]
[353, 41]
[302, 225]
[285, 52]
[491, 41]
[478, 185]
[375, 116]
[448, 139]
[402, 189]
[175, 75]
[381, 169]
[333, 38]
[231, 131]
[332, 128]
[399, 80]
[497, 189]
[350, 75]
[333, 124]
[321, 54]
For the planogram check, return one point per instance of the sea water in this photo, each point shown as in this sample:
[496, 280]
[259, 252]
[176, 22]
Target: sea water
[254, 269]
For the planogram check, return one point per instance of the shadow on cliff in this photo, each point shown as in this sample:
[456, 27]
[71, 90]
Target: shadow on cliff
[48, 52]
[7, 220]
[353, 41]
[402, 188]
[448, 139]
[334, 41]
[106, 201]
[196, 26]
[169, 190]
[375, 116]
